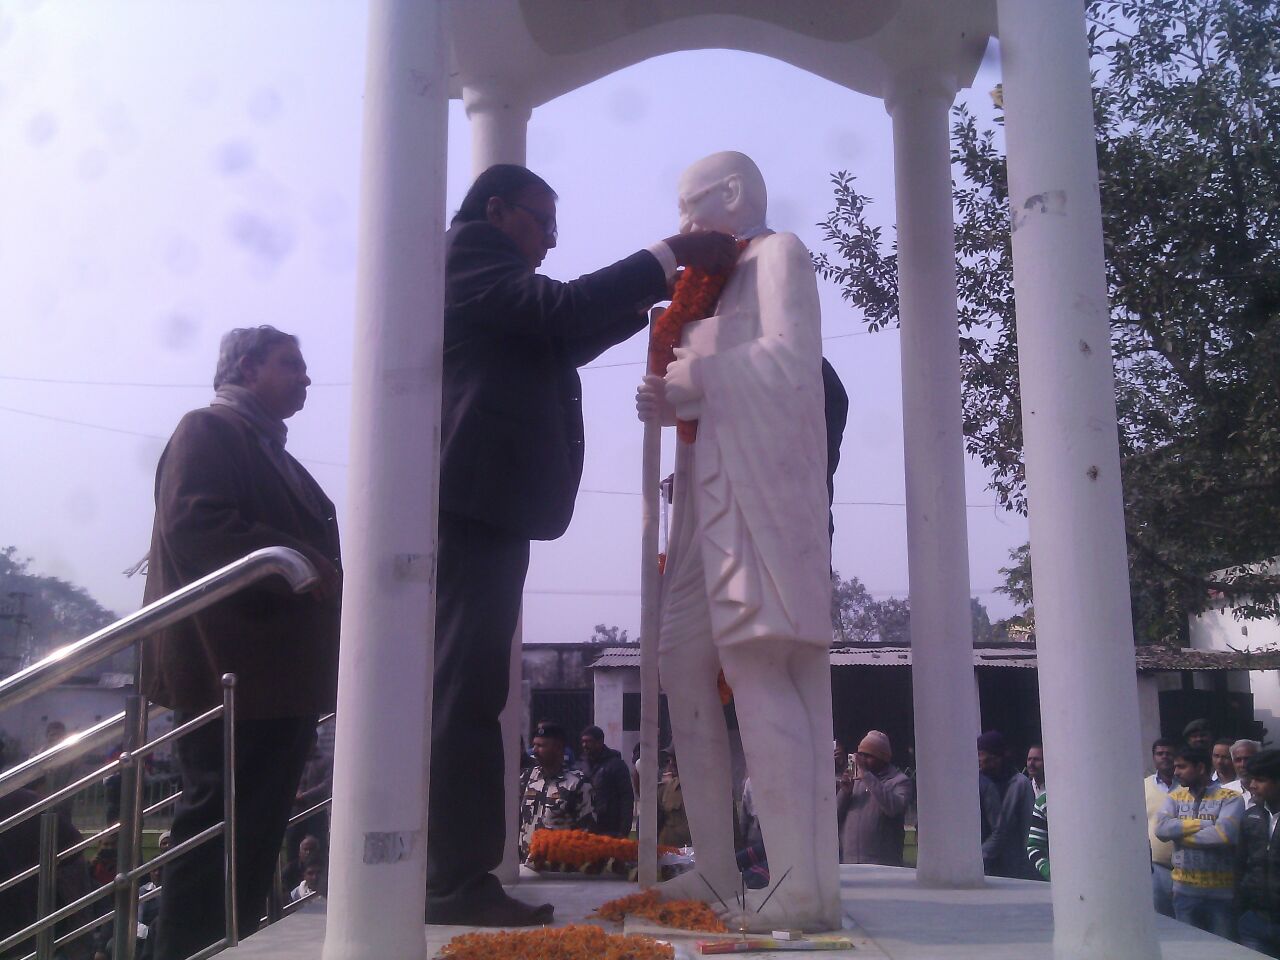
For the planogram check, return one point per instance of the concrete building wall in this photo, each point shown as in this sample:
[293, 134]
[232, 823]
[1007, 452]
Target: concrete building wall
[610, 685]
[558, 666]
[1217, 629]
[1148, 718]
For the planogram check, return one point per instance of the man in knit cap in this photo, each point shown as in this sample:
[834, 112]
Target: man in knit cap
[1258, 858]
[872, 798]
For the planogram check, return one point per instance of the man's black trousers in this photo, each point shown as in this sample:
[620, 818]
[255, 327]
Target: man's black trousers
[270, 755]
[479, 582]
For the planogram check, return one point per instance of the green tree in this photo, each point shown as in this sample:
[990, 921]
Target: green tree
[608, 635]
[853, 611]
[1187, 109]
[857, 617]
[54, 612]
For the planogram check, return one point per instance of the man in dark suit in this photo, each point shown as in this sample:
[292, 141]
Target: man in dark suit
[510, 461]
[225, 486]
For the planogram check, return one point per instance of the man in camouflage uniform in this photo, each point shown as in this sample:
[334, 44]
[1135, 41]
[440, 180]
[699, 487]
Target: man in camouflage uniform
[553, 797]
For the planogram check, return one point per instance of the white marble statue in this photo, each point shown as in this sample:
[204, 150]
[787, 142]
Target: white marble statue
[747, 585]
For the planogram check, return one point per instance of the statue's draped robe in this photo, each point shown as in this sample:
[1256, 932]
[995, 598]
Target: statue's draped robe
[749, 551]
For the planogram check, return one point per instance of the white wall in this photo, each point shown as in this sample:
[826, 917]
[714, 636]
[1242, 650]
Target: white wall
[610, 685]
[1217, 629]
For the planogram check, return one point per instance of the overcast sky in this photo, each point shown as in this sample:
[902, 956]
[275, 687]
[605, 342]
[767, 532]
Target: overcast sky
[171, 170]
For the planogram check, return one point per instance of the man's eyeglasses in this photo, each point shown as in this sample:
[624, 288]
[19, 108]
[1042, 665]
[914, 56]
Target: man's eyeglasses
[546, 221]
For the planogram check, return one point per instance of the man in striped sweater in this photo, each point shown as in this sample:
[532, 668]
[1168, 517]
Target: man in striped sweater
[1202, 821]
[1038, 836]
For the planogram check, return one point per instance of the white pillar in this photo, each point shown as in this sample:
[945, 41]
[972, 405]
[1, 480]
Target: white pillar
[378, 863]
[937, 535]
[499, 127]
[499, 133]
[1088, 689]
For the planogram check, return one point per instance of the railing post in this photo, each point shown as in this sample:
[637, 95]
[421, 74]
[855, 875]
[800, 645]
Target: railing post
[47, 890]
[229, 803]
[127, 845]
[275, 896]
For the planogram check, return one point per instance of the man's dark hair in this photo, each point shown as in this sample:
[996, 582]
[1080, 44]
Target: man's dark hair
[252, 343]
[504, 180]
[1163, 742]
[1035, 745]
[1194, 755]
[595, 733]
[1224, 742]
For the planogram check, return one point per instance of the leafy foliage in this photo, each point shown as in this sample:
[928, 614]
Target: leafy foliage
[609, 636]
[1187, 110]
[55, 611]
[857, 617]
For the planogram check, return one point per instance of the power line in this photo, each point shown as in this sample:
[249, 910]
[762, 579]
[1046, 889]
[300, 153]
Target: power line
[334, 463]
[342, 465]
[838, 503]
[205, 385]
[131, 433]
[550, 592]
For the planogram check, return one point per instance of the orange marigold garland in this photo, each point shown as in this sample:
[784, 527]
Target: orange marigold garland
[726, 691]
[574, 942]
[578, 850]
[679, 914]
[694, 298]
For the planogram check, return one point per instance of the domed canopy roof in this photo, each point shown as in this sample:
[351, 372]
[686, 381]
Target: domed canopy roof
[536, 50]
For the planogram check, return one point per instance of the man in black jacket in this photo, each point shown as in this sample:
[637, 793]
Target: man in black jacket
[510, 460]
[611, 796]
[1258, 858]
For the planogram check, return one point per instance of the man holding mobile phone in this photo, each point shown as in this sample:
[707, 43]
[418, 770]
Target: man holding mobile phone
[872, 799]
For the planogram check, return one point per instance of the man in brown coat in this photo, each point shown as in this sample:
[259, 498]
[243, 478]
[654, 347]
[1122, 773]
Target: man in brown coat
[225, 486]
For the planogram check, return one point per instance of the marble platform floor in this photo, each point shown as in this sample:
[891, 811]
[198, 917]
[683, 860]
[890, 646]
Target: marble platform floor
[887, 916]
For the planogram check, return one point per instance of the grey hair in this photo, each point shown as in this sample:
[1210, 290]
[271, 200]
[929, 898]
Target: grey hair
[246, 343]
[1257, 747]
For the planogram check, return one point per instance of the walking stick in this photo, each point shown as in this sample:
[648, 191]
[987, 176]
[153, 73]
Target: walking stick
[650, 584]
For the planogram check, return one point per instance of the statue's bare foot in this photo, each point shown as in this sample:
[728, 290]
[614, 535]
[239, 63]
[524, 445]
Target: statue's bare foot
[690, 885]
[786, 910]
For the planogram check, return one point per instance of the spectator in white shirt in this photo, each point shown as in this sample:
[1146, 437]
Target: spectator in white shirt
[1241, 751]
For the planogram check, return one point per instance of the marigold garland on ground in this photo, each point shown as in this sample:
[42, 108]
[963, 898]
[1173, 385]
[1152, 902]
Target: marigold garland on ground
[574, 942]
[694, 298]
[679, 914]
[580, 850]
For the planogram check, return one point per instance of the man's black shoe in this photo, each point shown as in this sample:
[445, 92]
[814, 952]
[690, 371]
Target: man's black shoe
[490, 911]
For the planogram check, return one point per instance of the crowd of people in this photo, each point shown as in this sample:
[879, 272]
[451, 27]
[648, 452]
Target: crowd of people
[1210, 818]
[1211, 807]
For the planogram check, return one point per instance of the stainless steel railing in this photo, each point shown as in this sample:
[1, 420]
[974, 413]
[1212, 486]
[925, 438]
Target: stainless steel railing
[65, 663]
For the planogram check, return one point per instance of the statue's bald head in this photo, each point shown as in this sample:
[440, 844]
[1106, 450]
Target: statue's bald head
[724, 191]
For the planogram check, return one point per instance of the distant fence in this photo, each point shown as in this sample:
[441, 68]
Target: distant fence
[98, 806]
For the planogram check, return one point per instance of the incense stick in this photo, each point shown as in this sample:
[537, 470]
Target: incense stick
[774, 890]
[712, 889]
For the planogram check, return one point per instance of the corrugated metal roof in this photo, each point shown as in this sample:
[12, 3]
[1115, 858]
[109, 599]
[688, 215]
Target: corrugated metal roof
[617, 657]
[1016, 656]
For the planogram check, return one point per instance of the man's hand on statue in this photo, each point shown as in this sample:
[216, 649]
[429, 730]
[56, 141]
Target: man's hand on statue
[651, 404]
[706, 250]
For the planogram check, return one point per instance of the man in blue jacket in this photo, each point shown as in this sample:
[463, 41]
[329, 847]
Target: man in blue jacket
[511, 451]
